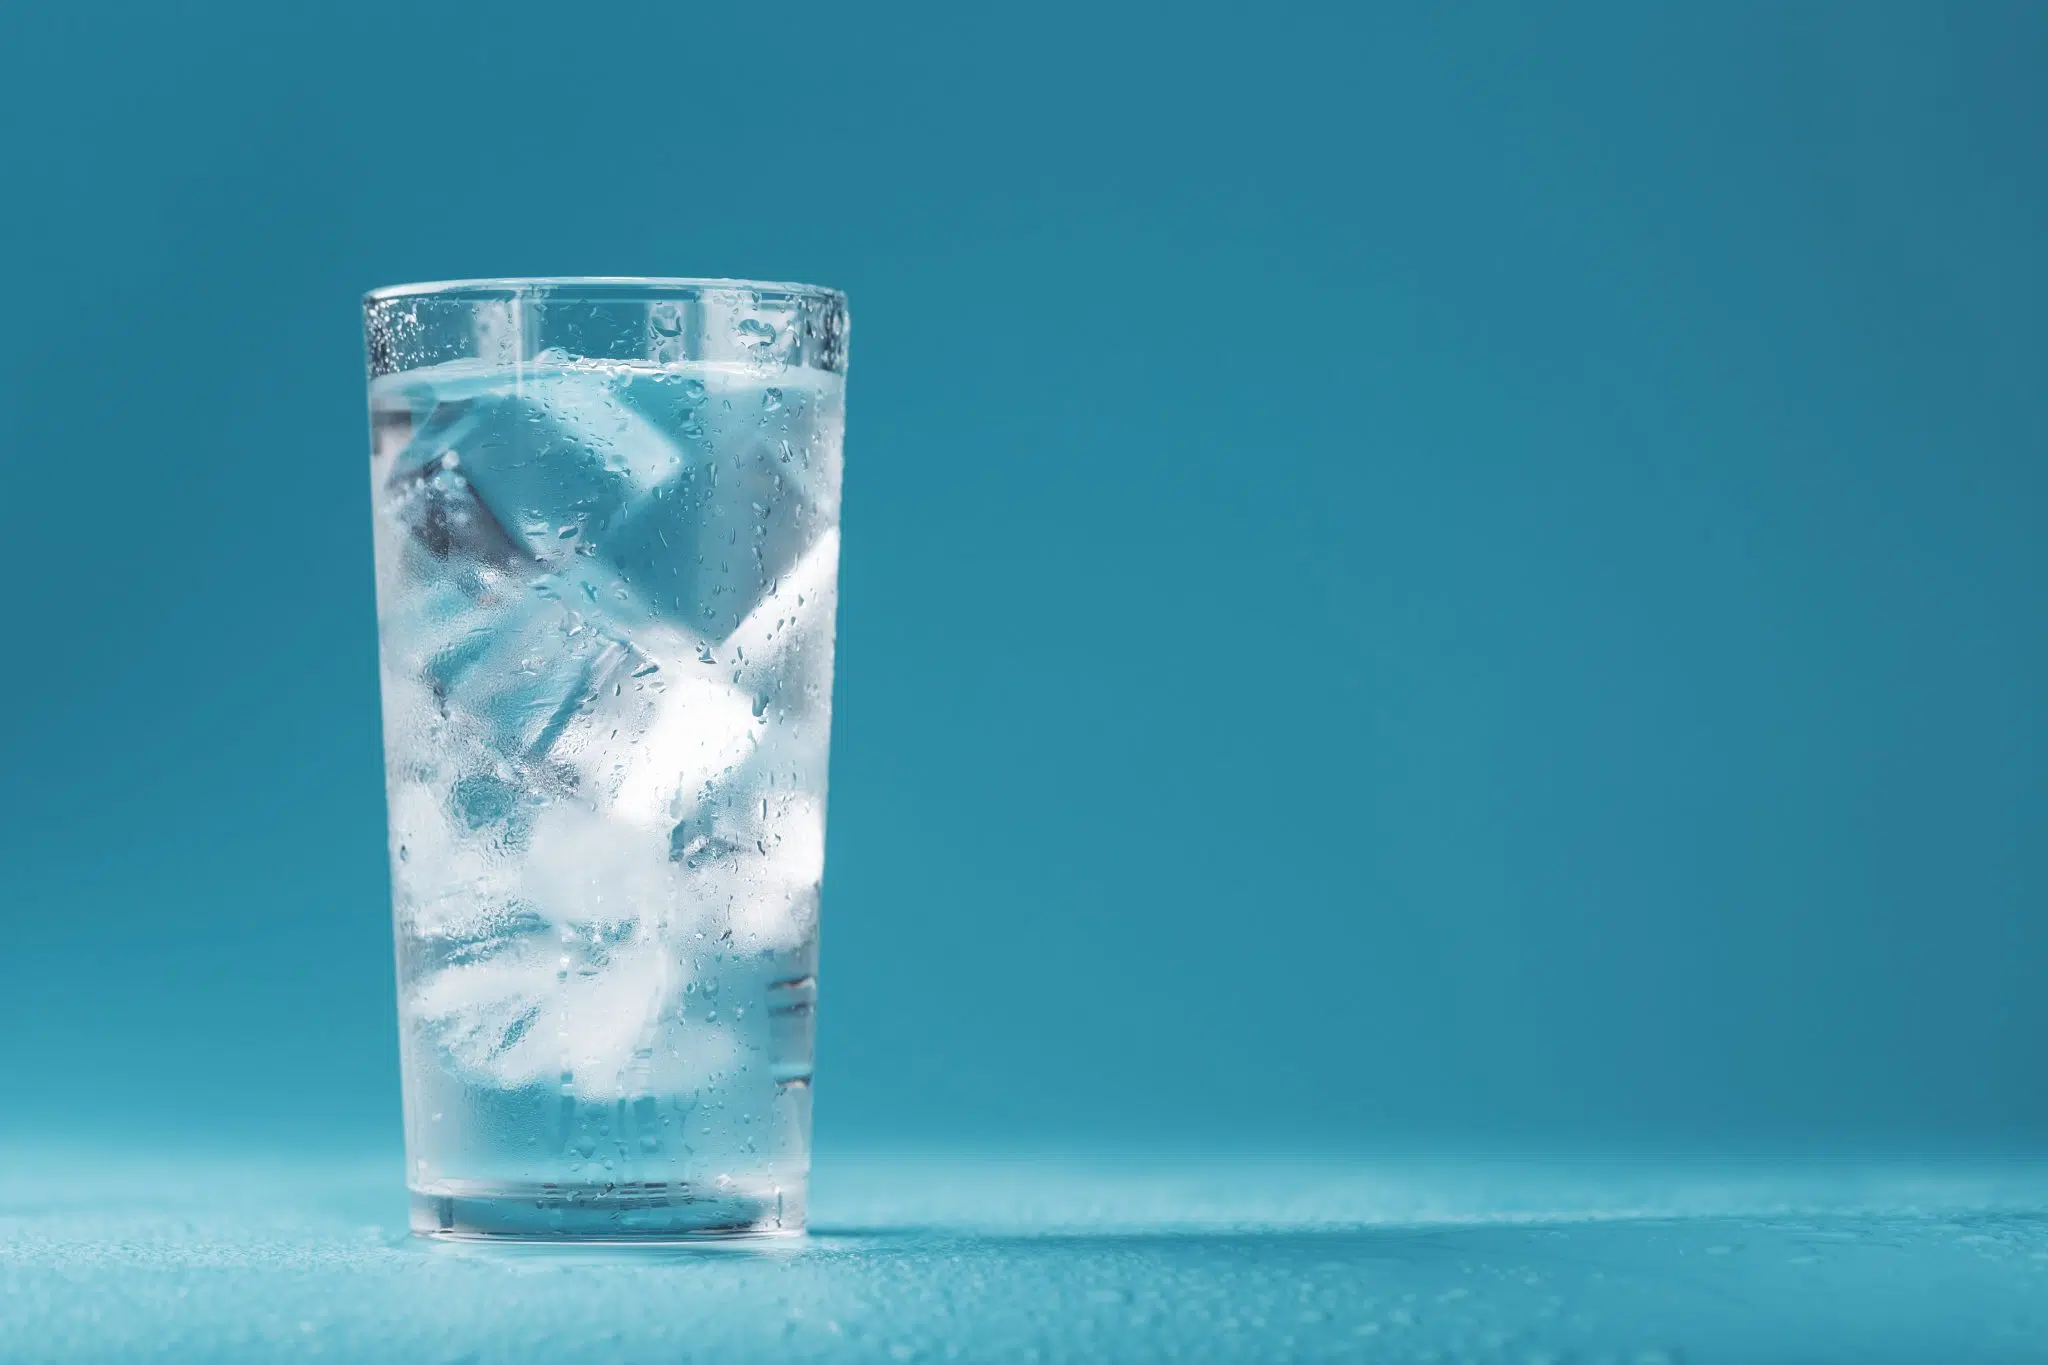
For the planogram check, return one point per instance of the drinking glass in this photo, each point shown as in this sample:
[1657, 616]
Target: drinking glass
[607, 541]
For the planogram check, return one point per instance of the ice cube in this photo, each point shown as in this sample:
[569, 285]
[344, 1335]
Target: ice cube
[564, 961]
[754, 855]
[752, 493]
[739, 777]
[423, 401]
[601, 1016]
[650, 765]
[448, 882]
[451, 533]
[780, 653]
[552, 454]
[527, 673]
[568, 868]
[582, 868]
[422, 619]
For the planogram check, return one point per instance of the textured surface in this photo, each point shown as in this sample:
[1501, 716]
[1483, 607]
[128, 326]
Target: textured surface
[1041, 1260]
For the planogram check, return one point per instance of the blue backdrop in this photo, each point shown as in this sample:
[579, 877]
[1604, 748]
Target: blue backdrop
[1436, 577]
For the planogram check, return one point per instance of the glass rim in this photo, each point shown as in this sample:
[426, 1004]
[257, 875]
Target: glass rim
[597, 287]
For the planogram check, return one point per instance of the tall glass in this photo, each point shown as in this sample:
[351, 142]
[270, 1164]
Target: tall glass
[607, 542]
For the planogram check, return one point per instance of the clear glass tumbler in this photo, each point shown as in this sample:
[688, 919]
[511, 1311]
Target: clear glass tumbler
[607, 544]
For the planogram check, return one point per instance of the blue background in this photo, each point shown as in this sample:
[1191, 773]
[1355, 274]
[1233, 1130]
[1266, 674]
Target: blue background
[1414, 579]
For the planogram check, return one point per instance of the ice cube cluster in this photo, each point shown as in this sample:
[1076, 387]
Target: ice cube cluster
[605, 595]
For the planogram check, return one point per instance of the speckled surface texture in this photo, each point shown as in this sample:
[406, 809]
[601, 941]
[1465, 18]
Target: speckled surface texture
[199, 1260]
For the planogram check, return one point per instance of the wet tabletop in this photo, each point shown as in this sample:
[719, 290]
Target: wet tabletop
[198, 1259]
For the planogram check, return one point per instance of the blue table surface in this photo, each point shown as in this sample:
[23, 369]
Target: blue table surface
[127, 1259]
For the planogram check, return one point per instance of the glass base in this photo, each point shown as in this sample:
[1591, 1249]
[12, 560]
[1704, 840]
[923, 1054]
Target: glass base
[614, 1213]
